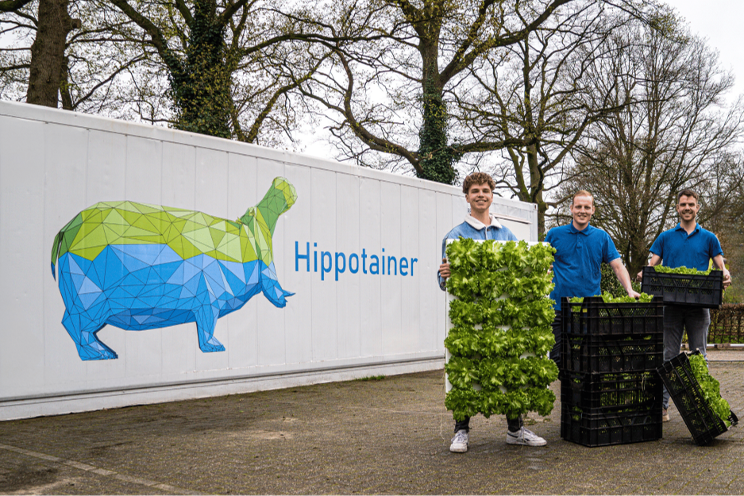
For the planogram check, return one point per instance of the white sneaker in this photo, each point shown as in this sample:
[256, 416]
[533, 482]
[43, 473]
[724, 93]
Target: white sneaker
[459, 442]
[525, 437]
[664, 415]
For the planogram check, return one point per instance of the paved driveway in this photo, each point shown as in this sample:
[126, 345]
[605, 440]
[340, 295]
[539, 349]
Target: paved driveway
[376, 436]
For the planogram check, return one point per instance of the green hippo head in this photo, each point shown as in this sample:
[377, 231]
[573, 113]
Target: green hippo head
[260, 220]
[280, 198]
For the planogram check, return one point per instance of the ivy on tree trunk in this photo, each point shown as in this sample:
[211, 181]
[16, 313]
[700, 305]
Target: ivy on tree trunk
[437, 157]
[201, 83]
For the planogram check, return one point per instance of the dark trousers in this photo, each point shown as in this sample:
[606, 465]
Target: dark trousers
[555, 354]
[677, 319]
[514, 424]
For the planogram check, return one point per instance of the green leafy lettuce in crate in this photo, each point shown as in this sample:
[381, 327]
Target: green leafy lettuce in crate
[682, 270]
[609, 298]
[501, 332]
[711, 388]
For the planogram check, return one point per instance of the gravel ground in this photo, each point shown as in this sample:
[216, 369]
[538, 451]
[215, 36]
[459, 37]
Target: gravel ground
[726, 355]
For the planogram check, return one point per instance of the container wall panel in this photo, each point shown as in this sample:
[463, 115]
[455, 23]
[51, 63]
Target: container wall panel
[356, 254]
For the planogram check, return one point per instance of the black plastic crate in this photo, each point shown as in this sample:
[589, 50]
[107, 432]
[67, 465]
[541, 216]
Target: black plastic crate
[595, 317]
[606, 429]
[683, 289]
[612, 393]
[703, 423]
[598, 354]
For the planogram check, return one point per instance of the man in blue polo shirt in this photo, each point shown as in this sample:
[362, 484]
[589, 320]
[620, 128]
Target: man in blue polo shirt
[580, 251]
[481, 224]
[687, 245]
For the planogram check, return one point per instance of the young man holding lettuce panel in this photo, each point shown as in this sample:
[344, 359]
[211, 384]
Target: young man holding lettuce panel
[687, 245]
[580, 250]
[481, 224]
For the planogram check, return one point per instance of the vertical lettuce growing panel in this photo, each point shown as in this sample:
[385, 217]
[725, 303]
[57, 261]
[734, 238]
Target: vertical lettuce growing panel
[501, 333]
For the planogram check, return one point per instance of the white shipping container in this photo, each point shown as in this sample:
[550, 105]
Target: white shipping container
[342, 323]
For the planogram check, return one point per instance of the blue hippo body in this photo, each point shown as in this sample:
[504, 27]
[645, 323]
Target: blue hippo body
[164, 267]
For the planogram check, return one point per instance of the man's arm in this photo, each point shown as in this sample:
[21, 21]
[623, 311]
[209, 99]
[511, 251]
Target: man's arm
[622, 275]
[443, 272]
[718, 264]
[655, 260]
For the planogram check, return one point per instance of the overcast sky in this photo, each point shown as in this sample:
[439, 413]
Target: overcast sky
[720, 21]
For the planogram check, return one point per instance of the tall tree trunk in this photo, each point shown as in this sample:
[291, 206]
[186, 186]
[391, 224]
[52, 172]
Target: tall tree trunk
[532, 193]
[536, 188]
[201, 88]
[535, 194]
[437, 157]
[48, 52]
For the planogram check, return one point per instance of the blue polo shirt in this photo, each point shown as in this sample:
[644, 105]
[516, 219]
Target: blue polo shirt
[577, 268]
[694, 251]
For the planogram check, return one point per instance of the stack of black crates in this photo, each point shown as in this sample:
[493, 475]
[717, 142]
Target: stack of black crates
[610, 391]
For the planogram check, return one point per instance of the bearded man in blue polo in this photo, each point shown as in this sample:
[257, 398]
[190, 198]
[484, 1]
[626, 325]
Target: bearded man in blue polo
[580, 250]
[687, 245]
[482, 224]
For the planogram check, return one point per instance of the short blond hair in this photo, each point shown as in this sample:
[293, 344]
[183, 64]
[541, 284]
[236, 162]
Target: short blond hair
[582, 192]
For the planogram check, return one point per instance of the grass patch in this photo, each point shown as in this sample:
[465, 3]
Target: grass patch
[371, 378]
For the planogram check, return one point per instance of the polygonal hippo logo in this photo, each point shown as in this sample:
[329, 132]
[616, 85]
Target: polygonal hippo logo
[138, 267]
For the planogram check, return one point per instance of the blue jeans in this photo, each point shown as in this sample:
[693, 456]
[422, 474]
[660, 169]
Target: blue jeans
[677, 319]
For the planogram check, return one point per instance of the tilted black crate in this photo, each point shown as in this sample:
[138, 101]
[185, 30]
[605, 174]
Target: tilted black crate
[687, 395]
[597, 354]
[595, 317]
[605, 429]
[612, 393]
[704, 291]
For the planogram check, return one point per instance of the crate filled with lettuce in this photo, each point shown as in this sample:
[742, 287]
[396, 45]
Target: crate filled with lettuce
[611, 408]
[697, 396]
[611, 393]
[684, 286]
[609, 428]
[499, 330]
[612, 334]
